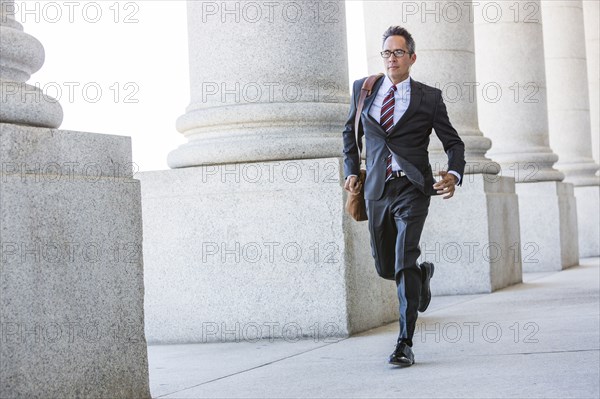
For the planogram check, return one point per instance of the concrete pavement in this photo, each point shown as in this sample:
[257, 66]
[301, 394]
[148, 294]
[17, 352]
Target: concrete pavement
[539, 339]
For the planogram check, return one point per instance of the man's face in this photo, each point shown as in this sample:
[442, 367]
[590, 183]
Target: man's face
[397, 68]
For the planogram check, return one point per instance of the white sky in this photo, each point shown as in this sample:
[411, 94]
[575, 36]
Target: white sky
[144, 60]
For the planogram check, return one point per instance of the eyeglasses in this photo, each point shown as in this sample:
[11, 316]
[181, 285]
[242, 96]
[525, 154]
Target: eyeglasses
[397, 53]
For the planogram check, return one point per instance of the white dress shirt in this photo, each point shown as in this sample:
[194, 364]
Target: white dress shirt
[402, 98]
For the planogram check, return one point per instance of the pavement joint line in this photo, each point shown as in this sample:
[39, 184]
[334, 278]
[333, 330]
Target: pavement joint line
[250, 369]
[538, 353]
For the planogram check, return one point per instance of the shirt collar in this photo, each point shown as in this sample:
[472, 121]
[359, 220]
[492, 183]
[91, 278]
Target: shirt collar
[402, 87]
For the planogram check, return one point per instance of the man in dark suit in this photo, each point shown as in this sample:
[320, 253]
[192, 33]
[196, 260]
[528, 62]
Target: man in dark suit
[396, 121]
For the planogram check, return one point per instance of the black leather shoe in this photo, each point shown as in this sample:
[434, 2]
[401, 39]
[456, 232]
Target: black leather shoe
[427, 269]
[403, 355]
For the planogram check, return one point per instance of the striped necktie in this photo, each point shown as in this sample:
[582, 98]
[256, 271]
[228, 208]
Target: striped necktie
[387, 122]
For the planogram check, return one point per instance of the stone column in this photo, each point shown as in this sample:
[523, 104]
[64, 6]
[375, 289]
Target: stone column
[568, 113]
[250, 239]
[21, 55]
[568, 104]
[71, 272]
[486, 203]
[591, 12]
[513, 113]
[268, 82]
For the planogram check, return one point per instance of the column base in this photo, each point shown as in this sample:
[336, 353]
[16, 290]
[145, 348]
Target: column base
[588, 204]
[548, 218]
[240, 252]
[473, 238]
[71, 278]
[24, 104]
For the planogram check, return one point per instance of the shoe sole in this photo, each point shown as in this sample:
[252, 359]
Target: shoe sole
[430, 277]
[400, 364]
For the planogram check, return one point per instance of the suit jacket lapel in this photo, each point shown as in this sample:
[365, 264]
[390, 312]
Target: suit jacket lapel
[416, 94]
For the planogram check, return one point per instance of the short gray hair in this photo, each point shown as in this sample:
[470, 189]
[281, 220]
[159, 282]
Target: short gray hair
[400, 31]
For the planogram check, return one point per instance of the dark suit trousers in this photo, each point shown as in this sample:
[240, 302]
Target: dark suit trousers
[395, 224]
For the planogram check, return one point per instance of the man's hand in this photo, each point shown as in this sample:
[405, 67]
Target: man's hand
[446, 185]
[352, 185]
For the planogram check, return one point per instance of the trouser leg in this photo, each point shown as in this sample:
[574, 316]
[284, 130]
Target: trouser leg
[410, 211]
[382, 229]
[396, 222]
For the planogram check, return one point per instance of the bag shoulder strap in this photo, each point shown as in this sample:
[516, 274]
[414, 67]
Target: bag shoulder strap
[364, 92]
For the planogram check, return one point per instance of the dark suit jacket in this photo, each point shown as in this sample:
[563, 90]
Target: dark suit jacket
[408, 140]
